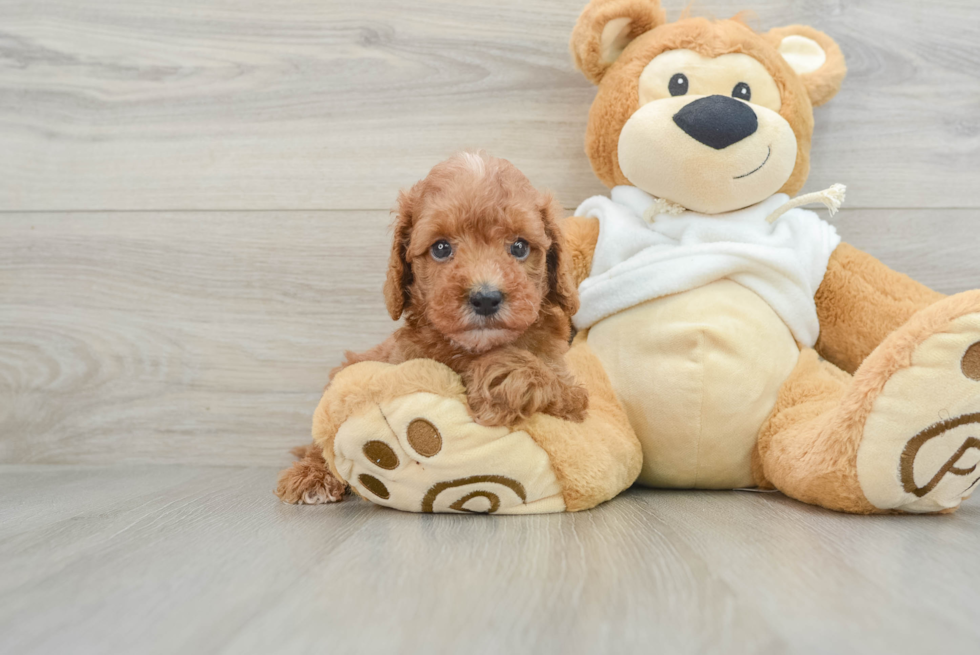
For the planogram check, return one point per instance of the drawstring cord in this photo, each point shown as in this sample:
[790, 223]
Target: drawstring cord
[831, 198]
[661, 207]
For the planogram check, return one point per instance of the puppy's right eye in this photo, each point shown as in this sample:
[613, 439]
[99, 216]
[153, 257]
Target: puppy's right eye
[441, 250]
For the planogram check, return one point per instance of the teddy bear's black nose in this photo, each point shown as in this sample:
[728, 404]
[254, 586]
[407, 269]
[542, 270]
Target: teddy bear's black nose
[717, 121]
[486, 301]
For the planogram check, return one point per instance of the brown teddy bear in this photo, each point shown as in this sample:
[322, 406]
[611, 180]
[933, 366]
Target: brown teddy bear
[726, 336]
[749, 346]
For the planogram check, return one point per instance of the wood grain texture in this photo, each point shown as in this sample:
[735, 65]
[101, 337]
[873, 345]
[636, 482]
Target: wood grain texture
[207, 337]
[205, 560]
[332, 104]
[179, 337]
[200, 339]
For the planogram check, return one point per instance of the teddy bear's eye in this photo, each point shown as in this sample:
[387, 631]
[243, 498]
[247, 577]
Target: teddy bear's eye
[441, 250]
[742, 92]
[678, 85]
[520, 249]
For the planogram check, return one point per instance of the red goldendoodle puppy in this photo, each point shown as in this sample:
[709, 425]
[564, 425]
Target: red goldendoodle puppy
[478, 270]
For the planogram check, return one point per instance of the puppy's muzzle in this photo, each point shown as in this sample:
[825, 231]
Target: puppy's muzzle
[486, 301]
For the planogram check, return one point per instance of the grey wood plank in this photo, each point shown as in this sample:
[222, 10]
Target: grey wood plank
[329, 104]
[207, 338]
[205, 560]
[152, 559]
[937, 247]
[891, 581]
[178, 337]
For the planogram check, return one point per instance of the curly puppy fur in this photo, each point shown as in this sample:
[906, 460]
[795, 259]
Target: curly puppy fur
[511, 361]
[309, 482]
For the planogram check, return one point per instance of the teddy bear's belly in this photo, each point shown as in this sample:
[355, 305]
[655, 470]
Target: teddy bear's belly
[698, 373]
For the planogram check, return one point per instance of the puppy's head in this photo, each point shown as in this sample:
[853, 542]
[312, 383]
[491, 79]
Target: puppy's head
[478, 252]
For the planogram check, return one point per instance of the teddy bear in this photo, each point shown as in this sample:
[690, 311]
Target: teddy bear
[749, 346]
[727, 337]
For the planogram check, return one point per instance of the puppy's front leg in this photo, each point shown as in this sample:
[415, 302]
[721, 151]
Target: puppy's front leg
[505, 386]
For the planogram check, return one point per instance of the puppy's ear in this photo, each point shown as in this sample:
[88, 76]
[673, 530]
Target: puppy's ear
[399, 280]
[815, 57]
[606, 27]
[562, 290]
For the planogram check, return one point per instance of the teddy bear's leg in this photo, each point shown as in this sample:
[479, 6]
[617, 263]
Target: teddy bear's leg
[860, 302]
[796, 448]
[402, 436]
[902, 435]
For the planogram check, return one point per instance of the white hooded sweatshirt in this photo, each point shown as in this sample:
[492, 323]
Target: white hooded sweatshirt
[636, 261]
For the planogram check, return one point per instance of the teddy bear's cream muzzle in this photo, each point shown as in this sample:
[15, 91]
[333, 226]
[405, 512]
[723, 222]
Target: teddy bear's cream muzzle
[706, 154]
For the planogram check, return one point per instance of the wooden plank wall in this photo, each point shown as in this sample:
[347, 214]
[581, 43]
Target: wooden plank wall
[194, 195]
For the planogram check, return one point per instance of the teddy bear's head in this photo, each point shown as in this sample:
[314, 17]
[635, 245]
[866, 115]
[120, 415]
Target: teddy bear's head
[706, 114]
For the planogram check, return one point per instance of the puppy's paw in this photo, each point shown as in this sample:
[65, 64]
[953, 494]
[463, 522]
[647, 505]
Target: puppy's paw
[308, 481]
[493, 412]
[501, 395]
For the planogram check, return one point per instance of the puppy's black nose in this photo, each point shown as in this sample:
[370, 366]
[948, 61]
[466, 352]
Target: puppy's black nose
[717, 121]
[486, 302]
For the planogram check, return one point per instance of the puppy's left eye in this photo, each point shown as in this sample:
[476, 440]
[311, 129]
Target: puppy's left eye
[520, 249]
[742, 91]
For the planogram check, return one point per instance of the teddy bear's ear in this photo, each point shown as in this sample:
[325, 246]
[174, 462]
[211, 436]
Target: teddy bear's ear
[606, 27]
[815, 57]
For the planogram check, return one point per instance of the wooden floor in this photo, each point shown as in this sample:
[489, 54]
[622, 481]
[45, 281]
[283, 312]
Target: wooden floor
[182, 559]
[193, 203]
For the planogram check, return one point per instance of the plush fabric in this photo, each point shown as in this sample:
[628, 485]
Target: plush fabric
[713, 153]
[618, 96]
[707, 74]
[698, 373]
[402, 437]
[595, 48]
[581, 235]
[636, 260]
[410, 452]
[823, 83]
[860, 302]
[712, 379]
[597, 459]
[937, 456]
[838, 442]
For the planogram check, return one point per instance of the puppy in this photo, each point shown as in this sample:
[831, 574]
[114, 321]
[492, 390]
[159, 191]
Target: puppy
[479, 272]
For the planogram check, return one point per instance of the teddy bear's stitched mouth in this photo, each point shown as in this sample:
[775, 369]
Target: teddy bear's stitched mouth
[768, 155]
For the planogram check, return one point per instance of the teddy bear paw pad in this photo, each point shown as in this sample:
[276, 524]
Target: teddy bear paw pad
[424, 453]
[920, 451]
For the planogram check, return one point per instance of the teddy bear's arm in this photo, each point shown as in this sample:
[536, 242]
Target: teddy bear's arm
[860, 302]
[581, 235]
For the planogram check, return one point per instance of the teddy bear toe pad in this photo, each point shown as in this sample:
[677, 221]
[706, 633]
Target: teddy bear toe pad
[423, 452]
[921, 446]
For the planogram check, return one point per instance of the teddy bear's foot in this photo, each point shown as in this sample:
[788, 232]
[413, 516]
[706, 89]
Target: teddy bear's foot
[403, 436]
[920, 447]
[901, 436]
[424, 453]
